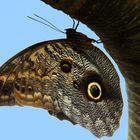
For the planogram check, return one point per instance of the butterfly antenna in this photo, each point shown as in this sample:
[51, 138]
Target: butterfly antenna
[49, 24]
[41, 22]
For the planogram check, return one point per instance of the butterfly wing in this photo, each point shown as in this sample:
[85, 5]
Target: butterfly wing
[68, 80]
[7, 76]
[11, 71]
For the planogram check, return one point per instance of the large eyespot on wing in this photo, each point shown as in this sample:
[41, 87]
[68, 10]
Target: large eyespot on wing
[94, 91]
[110, 104]
[97, 110]
[94, 98]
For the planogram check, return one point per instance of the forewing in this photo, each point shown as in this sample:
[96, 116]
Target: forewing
[9, 72]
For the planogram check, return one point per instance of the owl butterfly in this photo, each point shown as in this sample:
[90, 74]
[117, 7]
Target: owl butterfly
[70, 78]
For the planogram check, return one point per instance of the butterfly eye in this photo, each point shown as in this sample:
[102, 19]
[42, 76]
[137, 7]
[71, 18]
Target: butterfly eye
[94, 91]
[65, 66]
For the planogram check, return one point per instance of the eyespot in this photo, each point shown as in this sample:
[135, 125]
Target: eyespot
[94, 91]
[65, 66]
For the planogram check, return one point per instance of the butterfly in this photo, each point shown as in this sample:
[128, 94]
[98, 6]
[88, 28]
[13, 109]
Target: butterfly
[71, 78]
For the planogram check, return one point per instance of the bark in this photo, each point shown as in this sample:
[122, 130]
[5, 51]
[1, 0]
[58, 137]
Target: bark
[117, 23]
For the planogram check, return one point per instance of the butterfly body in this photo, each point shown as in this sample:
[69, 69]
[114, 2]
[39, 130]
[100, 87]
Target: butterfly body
[70, 78]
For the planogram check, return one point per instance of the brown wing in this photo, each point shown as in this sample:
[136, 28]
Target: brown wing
[8, 73]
